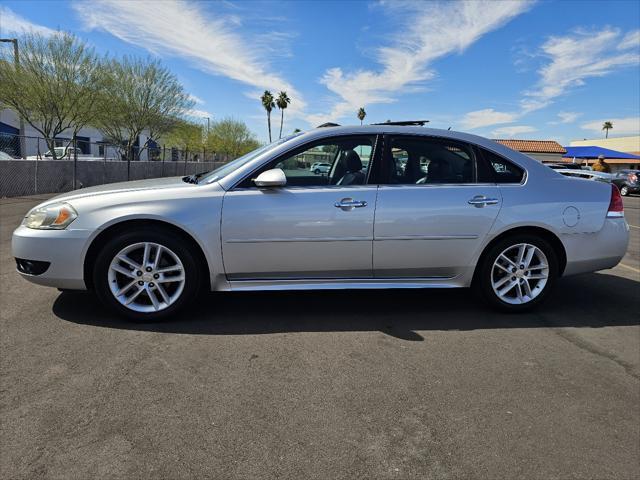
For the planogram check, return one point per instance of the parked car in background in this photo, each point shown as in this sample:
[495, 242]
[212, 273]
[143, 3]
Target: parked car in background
[435, 209]
[628, 181]
[320, 167]
[587, 175]
[564, 166]
[66, 153]
[63, 152]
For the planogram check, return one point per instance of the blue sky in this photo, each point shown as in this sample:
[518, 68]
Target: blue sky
[502, 69]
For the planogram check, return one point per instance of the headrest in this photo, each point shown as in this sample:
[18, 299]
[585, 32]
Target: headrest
[352, 161]
[438, 169]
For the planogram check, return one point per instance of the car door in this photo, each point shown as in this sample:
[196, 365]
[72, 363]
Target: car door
[318, 226]
[432, 214]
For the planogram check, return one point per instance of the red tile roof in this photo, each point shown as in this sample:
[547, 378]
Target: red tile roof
[533, 146]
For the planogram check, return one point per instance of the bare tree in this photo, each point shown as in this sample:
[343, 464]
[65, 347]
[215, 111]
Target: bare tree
[55, 86]
[139, 95]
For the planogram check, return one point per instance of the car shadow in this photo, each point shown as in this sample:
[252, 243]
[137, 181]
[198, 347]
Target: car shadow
[592, 300]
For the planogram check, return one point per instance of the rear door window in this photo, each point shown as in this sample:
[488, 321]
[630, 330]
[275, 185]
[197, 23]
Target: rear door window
[418, 160]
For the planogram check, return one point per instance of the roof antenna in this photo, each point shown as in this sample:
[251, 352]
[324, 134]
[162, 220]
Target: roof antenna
[449, 128]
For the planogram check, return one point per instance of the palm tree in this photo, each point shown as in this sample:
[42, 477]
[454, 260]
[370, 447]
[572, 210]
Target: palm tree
[268, 104]
[606, 126]
[361, 114]
[282, 101]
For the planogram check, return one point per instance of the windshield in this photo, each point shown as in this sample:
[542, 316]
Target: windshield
[221, 172]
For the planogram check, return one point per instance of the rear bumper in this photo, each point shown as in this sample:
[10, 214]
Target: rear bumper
[63, 250]
[589, 252]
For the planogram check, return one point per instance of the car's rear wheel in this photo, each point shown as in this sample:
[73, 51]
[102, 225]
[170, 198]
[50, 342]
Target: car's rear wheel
[517, 273]
[624, 190]
[146, 274]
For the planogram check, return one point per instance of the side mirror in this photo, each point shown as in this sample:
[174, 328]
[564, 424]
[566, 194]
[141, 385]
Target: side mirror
[271, 178]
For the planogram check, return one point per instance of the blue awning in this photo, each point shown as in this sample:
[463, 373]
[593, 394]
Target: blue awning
[595, 152]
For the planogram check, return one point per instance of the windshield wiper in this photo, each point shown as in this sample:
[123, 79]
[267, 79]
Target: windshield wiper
[193, 178]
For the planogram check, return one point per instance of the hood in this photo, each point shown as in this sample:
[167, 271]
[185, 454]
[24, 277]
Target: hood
[132, 186]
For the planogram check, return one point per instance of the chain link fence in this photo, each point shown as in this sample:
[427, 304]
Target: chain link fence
[31, 165]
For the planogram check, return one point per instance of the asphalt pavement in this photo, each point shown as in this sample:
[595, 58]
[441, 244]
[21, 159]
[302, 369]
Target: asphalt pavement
[323, 385]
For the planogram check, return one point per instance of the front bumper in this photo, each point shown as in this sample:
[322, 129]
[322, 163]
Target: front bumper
[64, 250]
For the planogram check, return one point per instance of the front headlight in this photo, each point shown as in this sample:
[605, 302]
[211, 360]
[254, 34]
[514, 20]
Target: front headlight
[56, 216]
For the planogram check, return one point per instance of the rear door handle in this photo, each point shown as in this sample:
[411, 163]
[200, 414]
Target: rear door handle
[349, 204]
[480, 201]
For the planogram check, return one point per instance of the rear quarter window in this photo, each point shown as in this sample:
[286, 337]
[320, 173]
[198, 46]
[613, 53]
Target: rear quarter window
[500, 169]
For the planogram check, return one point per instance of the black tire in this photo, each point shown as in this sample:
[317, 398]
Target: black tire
[192, 271]
[624, 190]
[482, 282]
[316, 171]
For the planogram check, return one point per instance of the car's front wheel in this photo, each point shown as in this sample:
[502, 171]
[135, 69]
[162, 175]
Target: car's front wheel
[624, 190]
[146, 274]
[517, 273]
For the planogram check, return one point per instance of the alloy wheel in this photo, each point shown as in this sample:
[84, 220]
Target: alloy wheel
[519, 274]
[146, 277]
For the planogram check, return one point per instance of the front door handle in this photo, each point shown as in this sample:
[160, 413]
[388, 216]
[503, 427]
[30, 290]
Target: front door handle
[480, 201]
[347, 204]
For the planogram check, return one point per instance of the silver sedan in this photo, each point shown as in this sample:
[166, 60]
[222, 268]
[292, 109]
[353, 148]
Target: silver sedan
[432, 209]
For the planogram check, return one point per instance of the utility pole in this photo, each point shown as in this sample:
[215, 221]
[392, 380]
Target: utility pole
[16, 57]
[208, 120]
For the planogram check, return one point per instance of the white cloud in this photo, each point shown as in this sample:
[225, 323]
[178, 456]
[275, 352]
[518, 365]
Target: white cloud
[513, 131]
[571, 59]
[12, 23]
[576, 57]
[486, 117]
[431, 30]
[621, 126]
[199, 114]
[568, 117]
[184, 29]
[195, 99]
[630, 40]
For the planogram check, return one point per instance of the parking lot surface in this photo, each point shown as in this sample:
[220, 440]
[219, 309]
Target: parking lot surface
[341, 384]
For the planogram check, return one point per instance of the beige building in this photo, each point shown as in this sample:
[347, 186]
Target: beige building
[620, 144]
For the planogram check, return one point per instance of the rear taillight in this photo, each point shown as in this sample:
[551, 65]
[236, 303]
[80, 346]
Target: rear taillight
[616, 208]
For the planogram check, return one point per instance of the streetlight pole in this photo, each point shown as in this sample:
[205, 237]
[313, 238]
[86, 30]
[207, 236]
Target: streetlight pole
[16, 57]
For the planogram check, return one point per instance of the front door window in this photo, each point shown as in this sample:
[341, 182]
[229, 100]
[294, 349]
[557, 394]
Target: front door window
[339, 161]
